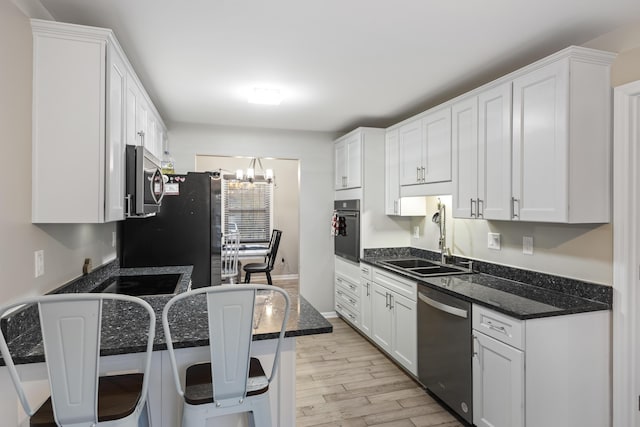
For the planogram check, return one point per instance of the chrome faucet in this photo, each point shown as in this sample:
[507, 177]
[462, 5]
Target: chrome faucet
[440, 219]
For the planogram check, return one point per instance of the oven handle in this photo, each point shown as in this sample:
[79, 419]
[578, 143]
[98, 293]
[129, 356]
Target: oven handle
[355, 214]
[443, 307]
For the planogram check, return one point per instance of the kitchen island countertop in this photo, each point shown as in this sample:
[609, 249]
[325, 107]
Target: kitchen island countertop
[122, 334]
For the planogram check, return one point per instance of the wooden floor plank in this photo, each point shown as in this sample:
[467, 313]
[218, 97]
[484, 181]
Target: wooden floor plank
[342, 380]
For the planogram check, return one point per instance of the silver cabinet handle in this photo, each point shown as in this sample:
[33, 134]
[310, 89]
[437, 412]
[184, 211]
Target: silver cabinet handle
[472, 203]
[351, 316]
[386, 300]
[368, 285]
[390, 302]
[424, 176]
[353, 287]
[475, 345]
[418, 174]
[443, 307]
[339, 280]
[352, 301]
[479, 211]
[340, 293]
[513, 207]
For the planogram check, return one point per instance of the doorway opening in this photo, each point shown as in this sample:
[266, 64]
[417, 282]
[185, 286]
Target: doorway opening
[286, 202]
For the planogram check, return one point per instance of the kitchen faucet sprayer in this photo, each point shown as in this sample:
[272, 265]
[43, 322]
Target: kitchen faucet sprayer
[440, 219]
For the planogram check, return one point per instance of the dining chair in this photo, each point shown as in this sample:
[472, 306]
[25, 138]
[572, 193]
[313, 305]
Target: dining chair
[229, 257]
[71, 325]
[231, 381]
[269, 261]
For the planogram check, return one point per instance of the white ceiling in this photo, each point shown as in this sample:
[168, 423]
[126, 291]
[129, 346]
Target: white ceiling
[340, 63]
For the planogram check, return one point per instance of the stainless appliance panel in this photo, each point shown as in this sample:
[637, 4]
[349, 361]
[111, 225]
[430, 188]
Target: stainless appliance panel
[445, 349]
[347, 240]
[145, 185]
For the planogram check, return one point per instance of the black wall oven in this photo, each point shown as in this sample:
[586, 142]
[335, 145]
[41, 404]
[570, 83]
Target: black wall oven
[347, 229]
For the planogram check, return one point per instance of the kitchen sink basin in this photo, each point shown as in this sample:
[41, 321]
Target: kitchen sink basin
[440, 269]
[422, 267]
[410, 263]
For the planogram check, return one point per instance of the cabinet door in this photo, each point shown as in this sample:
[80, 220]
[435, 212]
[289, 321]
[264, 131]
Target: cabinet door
[436, 154]
[340, 158]
[464, 136]
[132, 118]
[142, 114]
[151, 134]
[405, 339]
[381, 328]
[354, 161]
[498, 383]
[366, 297]
[115, 137]
[392, 173]
[494, 150]
[540, 144]
[410, 141]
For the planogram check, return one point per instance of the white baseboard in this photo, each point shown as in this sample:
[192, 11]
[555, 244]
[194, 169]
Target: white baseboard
[330, 314]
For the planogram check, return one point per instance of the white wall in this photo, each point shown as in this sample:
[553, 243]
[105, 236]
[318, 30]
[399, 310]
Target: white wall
[65, 246]
[314, 150]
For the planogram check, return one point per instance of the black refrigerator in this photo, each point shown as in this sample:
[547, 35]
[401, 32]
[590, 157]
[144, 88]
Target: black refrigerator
[186, 231]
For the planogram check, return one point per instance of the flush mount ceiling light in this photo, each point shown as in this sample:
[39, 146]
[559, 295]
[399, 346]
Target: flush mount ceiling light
[265, 96]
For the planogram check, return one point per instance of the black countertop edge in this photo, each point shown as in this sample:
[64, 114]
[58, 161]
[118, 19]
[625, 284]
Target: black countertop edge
[565, 285]
[517, 298]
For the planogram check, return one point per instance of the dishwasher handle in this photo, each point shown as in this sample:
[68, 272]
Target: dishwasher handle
[443, 307]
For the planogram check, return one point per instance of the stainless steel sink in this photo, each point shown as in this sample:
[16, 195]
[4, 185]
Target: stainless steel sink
[423, 268]
[410, 263]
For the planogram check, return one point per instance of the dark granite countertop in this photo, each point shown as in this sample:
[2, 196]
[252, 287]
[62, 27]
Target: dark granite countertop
[121, 331]
[514, 298]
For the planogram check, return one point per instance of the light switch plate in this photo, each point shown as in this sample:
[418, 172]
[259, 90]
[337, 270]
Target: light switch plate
[527, 245]
[416, 231]
[493, 241]
[39, 263]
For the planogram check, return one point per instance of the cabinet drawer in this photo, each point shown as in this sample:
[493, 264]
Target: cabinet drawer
[499, 326]
[398, 284]
[343, 310]
[365, 271]
[347, 284]
[348, 299]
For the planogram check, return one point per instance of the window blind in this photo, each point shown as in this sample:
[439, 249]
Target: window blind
[247, 208]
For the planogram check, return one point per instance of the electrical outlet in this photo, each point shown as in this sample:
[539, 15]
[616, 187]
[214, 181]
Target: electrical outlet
[527, 245]
[39, 263]
[416, 231]
[493, 241]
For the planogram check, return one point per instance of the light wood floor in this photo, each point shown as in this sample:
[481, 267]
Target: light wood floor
[343, 380]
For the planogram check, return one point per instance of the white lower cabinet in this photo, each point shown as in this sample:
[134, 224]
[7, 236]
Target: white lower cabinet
[347, 290]
[498, 383]
[366, 296]
[552, 371]
[394, 318]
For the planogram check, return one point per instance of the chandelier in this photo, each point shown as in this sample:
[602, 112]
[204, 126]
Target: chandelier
[252, 172]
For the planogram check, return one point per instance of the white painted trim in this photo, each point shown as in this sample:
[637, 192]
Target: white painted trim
[625, 255]
[330, 315]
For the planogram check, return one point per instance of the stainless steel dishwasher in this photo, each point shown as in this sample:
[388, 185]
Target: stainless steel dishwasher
[444, 349]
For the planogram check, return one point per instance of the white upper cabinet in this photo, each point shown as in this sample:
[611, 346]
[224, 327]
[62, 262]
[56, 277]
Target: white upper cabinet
[436, 154]
[481, 139]
[425, 149]
[392, 172]
[410, 140]
[562, 139]
[84, 109]
[348, 161]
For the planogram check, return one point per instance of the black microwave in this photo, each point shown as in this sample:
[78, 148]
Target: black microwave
[145, 184]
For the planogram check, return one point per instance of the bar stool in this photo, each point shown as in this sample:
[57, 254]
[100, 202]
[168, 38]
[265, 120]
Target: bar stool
[71, 325]
[231, 381]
